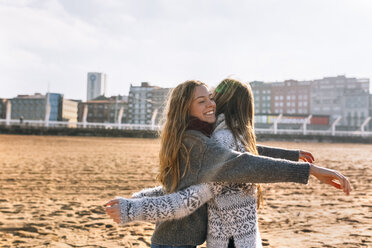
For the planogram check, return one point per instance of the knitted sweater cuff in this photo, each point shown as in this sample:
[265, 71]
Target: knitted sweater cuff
[301, 172]
[172, 206]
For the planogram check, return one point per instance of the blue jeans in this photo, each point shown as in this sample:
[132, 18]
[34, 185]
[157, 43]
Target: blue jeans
[169, 246]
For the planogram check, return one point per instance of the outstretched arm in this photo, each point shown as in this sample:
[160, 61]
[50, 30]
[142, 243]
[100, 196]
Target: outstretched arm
[225, 138]
[276, 152]
[149, 192]
[219, 164]
[172, 206]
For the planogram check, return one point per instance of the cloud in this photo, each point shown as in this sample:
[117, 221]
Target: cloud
[166, 42]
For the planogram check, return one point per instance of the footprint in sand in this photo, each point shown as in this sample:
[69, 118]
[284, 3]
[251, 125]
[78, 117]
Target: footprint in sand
[83, 213]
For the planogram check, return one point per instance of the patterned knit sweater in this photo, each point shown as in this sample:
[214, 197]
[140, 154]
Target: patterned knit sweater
[232, 212]
[231, 206]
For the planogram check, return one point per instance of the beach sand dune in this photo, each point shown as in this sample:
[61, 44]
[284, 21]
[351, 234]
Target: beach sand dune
[53, 190]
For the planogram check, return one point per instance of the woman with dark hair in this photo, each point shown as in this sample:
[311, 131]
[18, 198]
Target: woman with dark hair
[229, 179]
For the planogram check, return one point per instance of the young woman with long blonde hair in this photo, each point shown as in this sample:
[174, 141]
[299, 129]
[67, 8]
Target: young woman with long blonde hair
[189, 157]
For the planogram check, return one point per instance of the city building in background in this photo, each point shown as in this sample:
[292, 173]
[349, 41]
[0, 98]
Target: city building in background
[105, 109]
[335, 96]
[355, 107]
[34, 107]
[96, 85]
[69, 111]
[159, 97]
[290, 97]
[140, 104]
[3, 102]
[370, 111]
[146, 103]
[262, 97]
[326, 100]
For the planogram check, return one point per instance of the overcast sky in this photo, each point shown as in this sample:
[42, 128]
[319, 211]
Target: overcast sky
[166, 42]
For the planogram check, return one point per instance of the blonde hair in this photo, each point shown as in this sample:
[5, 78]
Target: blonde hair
[175, 124]
[235, 100]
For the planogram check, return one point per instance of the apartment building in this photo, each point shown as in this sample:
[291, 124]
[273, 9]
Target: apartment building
[35, 107]
[105, 109]
[355, 107]
[96, 85]
[341, 96]
[262, 97]
[370, 112]
[146, 103]
[69, 111]
[3, 103]
[159, 97]
[290, 97]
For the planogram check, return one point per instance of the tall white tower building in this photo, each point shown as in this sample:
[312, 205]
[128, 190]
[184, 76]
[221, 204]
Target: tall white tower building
[96, 85]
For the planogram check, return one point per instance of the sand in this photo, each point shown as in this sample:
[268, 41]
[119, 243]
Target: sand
[53, 190]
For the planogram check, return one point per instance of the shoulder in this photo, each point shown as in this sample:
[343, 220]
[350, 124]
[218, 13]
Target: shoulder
[224, 137]
[222, 133]
[193, 136]
[195, 139]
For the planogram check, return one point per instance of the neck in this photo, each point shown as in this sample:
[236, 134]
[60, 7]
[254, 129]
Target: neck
[201, 126]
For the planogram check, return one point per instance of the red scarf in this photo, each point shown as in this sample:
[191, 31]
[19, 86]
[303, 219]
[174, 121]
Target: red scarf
[201, 126]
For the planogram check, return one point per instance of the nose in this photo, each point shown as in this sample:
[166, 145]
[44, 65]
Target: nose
[211, 103]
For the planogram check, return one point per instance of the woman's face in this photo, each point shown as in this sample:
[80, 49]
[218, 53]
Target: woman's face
[203, 106]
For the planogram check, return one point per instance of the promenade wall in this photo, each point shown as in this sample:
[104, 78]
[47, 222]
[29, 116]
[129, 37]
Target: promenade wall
[100, 132]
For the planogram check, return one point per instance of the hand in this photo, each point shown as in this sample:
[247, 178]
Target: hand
[306, 156]
[113, 210]
[331, 177]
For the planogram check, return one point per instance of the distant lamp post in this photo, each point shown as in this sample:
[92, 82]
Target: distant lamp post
[153, 118]
[47, 111]
[120, 115]
[85, 115]
[276, 123]
[364, 124]
[8, 112]
[333, 127]
[304, 125]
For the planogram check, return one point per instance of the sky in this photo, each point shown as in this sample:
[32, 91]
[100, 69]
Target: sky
[53, 44]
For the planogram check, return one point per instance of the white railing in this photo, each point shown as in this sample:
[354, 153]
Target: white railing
[54, 124]
[313, 132]
[125, 126]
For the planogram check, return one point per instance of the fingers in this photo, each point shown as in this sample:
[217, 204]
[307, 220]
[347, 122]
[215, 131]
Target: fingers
[112, 209]
[312, 157]
[334, 184]
[306, 156]
[112, 202]
[329, 176]
[347, 188]
[114, 213]
[344, 183]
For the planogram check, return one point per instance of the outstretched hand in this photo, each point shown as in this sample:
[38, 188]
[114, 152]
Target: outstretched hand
[306, 156]
[112, 209]
[331, 177]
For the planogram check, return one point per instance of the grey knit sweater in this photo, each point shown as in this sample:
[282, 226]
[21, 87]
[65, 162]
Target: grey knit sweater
[231, 206]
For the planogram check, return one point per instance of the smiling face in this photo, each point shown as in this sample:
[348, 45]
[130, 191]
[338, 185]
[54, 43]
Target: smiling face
[203, 106]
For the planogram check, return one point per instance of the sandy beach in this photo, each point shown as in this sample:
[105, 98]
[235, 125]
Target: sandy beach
[53, 190]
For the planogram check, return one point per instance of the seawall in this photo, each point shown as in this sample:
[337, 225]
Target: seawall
[64, 131]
